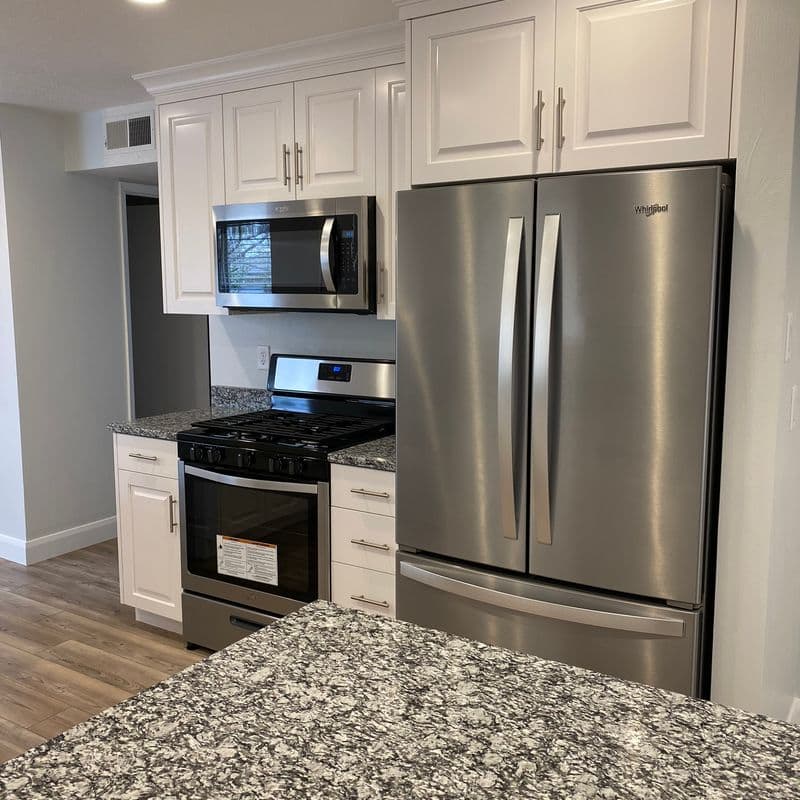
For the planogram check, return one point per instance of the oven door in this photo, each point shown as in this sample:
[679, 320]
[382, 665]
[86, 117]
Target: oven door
[258, 543]
[300, 255]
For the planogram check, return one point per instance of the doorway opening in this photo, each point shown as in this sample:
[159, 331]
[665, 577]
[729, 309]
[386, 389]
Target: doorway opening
[168, 359]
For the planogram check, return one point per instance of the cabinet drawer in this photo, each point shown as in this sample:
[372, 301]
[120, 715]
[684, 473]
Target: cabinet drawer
[363, 540]
[147, 456]
[364, 589]
[363, 489]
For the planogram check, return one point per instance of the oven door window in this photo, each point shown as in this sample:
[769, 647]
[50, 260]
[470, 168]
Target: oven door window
[260, 539]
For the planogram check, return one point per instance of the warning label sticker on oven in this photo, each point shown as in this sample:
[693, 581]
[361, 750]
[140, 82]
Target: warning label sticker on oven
[242, 558]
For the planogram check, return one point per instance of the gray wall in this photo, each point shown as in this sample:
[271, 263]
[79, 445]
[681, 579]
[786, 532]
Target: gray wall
[66, 281]
[757, 630]
[170, 351]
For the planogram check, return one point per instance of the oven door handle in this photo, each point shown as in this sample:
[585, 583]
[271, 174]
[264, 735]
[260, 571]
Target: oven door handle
[326, 254]
[251, 483]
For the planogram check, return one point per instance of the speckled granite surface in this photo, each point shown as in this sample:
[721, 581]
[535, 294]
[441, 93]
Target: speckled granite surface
[227, 401]
[379, 454]
[332, 703]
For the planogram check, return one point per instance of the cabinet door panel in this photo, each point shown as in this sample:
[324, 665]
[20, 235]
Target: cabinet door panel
[645, 81]
[149, 544]
[476, 74]
[258, 125]
[392, 175]
[191, 181]
[335, 128]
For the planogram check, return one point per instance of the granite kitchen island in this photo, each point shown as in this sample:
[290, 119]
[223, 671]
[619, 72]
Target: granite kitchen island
[332, 703]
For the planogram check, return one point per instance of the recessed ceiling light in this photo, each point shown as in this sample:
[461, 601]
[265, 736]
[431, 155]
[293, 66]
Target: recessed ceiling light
[148, 2]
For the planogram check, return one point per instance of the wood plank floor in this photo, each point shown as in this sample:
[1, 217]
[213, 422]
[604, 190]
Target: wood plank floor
[69, 649]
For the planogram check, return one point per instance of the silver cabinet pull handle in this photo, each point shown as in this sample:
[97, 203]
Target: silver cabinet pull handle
[373, 545]
[287, 178]
[560, 138]
[539, 109]
[298, 165]
[359, 598]
[634, 623]
[172, 523]
[142, 457]
[370, 493]
[542, 331]
[505, 378]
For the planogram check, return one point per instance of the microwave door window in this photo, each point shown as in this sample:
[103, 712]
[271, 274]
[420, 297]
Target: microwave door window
[296, 267]
[245, 257]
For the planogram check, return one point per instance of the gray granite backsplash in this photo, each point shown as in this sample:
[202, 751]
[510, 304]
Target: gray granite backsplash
[240, 398]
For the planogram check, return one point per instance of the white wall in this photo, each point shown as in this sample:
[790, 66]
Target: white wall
[12, 497]
[64, 244]
[757, 628]
[233, 341]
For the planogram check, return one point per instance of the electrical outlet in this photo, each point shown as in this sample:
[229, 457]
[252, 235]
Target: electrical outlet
[263, 357]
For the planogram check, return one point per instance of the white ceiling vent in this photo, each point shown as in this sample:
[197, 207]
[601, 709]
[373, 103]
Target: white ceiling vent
[129, 136]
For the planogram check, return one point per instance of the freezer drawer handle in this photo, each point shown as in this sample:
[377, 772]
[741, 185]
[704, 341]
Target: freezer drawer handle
[542, 330]
[370, 493]
[653, 626]
[505, 379]
[246, 624]
[360, 598]
[373, 545]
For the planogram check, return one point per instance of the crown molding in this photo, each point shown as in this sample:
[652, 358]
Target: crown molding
[364, 48]
[411, 9]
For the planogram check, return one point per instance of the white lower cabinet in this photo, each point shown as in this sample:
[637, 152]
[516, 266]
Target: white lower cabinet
[149, 537]
[364, 589]
[362, 541]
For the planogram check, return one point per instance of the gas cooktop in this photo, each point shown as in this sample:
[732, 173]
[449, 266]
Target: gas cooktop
[319, 405]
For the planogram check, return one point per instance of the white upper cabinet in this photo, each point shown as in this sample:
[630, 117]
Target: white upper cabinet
[191, 180]
[392, 163]
[482, 92]
[259, 143]
[335, 135]
[643, 81]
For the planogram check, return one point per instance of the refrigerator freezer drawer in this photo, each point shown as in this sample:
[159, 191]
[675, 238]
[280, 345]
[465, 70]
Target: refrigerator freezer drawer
[651, 644]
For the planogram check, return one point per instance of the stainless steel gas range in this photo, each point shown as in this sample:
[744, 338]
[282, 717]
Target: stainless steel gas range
[254, 494]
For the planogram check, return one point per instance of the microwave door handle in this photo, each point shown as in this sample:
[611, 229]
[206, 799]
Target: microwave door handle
[326, 254]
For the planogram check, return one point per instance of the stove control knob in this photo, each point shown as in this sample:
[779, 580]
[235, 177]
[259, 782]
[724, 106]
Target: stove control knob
[193, 453]
[214, 455]
[291, 467]
[271, 465]
[245, 458]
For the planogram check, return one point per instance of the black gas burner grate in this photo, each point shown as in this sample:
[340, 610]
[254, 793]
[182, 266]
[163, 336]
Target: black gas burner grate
[274, 425]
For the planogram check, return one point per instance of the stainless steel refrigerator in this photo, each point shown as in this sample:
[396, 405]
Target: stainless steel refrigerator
[559, 357]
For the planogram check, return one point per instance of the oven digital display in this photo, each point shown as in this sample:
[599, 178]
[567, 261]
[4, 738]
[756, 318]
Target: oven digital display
[335, 372]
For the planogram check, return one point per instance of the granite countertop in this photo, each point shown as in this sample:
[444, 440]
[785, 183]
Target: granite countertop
[378, 454]
[225, 402]
[333, 703]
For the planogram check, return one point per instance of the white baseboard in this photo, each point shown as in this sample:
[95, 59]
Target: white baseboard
[60, 542]
[12, 549]
[794, 713]
[157, 621]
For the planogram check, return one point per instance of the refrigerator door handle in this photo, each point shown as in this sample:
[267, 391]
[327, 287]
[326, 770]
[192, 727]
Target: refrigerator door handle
[541, 379]
[505, 379]
[648, 626]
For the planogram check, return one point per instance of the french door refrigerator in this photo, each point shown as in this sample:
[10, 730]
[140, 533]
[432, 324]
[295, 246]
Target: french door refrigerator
[559, 356]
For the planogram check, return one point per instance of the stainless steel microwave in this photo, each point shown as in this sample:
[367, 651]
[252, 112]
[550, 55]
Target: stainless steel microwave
[302, 255]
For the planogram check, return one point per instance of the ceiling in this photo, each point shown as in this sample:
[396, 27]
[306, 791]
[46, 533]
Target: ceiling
[78, 55]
